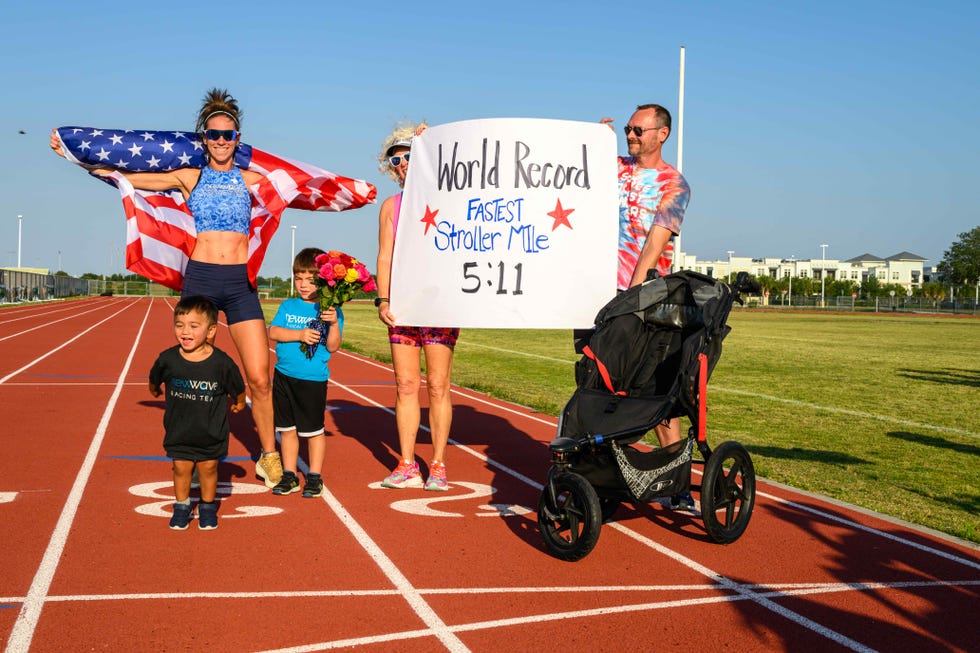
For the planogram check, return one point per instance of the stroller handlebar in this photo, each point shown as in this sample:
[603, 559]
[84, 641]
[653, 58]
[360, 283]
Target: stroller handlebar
[744, 283]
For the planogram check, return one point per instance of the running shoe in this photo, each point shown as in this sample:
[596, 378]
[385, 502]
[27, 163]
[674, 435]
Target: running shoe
[182, 516]
[437, 478]
[269, 468]
[405, 475]
[313, 487]
[207, 516]
[288, 484]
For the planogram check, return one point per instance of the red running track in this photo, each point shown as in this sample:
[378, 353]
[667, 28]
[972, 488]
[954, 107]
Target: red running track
[89, 564]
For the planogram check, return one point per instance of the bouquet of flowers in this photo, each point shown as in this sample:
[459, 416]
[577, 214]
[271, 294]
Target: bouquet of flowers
[338, 277]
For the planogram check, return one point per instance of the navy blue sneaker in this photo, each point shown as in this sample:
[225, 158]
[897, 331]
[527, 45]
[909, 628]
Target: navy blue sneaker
[182, 517]
[288, 484]
[313, 487]
[207, 516]
[683, 501]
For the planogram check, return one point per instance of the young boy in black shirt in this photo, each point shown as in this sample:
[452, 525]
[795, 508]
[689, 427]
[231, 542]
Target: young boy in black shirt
[199, 378]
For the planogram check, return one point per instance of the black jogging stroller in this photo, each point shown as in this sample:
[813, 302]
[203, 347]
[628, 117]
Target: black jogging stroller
[648, 360]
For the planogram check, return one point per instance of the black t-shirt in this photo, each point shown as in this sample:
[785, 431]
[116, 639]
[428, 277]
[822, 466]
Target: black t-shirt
[196, 414]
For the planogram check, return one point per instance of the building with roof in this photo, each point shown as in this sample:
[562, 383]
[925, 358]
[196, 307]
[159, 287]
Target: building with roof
[905, 268]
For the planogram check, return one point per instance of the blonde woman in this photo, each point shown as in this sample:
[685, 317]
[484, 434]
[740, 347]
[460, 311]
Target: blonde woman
[408, 342]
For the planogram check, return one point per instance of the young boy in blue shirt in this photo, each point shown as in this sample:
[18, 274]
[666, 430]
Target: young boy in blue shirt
[299, 384]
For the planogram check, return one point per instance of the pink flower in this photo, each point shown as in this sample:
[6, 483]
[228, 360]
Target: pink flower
[369, 285]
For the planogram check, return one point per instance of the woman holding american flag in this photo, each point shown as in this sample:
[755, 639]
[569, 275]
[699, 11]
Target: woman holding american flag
[204, 229]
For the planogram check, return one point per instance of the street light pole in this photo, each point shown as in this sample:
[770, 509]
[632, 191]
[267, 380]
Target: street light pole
[730, 252]
[292, 258]
[20, 227]
[792, 271]
[823, 272]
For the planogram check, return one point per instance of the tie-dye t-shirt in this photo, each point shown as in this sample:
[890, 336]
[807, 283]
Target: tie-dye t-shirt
[648, 197]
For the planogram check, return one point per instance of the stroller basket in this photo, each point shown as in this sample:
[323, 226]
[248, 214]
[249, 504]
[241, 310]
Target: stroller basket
[627, 474]
[659, 473]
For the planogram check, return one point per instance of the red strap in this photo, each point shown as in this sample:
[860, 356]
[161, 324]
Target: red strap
[702, 397]
[603, 372]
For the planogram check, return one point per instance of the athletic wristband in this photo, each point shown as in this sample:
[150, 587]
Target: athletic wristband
[378, 300]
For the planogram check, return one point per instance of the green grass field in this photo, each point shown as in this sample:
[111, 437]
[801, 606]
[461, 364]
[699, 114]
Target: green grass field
[876, 410]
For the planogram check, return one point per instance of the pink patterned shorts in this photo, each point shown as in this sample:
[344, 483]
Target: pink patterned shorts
[418, 336]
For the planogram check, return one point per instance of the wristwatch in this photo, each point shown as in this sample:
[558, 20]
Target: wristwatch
[378, 300]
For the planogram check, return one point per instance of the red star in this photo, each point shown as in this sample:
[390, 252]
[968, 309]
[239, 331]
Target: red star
[430, 219]
[561, 216]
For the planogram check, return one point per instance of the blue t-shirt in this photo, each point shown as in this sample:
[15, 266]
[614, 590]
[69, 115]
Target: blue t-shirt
[293, 314]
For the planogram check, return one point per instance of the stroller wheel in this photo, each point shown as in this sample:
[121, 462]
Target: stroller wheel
[727, 492]
[570, 526]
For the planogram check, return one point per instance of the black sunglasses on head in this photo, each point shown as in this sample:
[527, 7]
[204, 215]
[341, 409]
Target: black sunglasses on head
[215, 134]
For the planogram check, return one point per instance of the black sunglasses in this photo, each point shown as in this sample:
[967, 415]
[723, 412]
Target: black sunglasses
[395, 161]
[638, 131]
[215, 134]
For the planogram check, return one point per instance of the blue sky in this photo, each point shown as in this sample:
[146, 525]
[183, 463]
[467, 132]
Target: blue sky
[854, 124]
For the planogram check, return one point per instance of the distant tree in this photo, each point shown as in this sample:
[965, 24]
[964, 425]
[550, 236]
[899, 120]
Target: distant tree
[936, 292]
[841, 288]
[767, 284]
[870, 286]
[803, 286]
[961, 262]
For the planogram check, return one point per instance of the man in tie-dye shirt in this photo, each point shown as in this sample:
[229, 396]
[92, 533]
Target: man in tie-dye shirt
[652, 197]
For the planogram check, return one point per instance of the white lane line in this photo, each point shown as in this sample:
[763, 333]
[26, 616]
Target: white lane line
[773, 589]
[30, 612]
[64, 344]
[47, 324]
[598, 612]
[70, 384]
[847, 411]
[874, 531]
[745, 591]
[405, 588]
[499, 405]
[61, 308]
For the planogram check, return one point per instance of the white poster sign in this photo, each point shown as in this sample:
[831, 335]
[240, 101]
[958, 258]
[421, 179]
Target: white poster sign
[507, 223]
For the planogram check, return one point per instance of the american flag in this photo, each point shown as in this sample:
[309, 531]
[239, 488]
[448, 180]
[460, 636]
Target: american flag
[160, 233]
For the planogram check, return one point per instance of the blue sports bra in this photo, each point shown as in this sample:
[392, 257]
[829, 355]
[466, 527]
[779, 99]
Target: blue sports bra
[220, 201]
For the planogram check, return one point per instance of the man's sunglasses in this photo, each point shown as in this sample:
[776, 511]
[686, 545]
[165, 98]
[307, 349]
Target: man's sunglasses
[638, 131]
[395, 161]
[215, 134]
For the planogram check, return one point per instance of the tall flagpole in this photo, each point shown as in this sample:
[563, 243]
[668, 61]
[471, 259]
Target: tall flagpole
[680, 151]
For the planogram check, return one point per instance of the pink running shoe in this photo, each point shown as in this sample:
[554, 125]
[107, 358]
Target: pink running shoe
[407, 474]
[437, 478]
